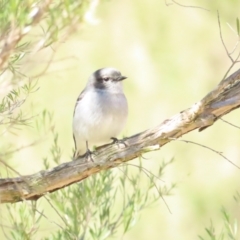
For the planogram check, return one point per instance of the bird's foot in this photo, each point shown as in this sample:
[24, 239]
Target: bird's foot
[88, 155]
[119, 141]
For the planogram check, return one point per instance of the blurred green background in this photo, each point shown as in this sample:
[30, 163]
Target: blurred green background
[173, 57]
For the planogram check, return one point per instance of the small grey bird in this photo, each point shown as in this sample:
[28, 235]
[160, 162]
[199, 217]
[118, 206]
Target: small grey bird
[100, 112]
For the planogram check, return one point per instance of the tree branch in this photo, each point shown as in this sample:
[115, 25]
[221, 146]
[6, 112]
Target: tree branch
[222, 100]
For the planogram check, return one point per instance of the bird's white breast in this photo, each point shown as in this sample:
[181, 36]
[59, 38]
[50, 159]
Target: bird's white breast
[99, 115]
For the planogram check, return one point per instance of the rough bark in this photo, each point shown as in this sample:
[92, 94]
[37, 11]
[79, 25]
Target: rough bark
[222, 100]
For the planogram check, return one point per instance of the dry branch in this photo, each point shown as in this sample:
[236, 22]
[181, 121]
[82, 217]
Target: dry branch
[222, 100]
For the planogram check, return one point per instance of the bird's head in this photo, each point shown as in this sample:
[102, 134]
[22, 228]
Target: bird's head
[107, 78]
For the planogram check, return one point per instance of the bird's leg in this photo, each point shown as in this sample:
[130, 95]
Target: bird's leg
[118, 141]
[88, 153]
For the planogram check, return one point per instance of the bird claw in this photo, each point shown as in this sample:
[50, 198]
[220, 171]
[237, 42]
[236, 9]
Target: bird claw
[119, 141]
[88, 155]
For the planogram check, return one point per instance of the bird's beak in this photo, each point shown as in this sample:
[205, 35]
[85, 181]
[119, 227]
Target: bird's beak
[121, 78]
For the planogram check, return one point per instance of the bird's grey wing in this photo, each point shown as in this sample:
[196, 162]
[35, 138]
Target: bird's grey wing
[81, 95]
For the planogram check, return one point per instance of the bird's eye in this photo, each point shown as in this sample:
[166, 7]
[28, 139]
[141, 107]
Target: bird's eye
[105, 79]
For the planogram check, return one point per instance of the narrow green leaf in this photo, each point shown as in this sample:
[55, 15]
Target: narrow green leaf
[238, 29]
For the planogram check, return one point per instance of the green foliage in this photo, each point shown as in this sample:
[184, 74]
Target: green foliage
[10, 106]
[237, 26]
[101, 205]
[50, 21]
[24, 224]
[230, 229]
[53, 21]
[109, 203]
[105, 204]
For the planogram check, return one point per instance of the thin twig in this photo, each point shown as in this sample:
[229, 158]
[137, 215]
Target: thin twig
[41, 213]
[56, 210]
[187, 6]
[9, 167]
[226, 50]
[204, 146]
[230, 123]
[148, 173]
[142, 168]
[20, 148]
[238, 41]
[235, 47]
[221, 37]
